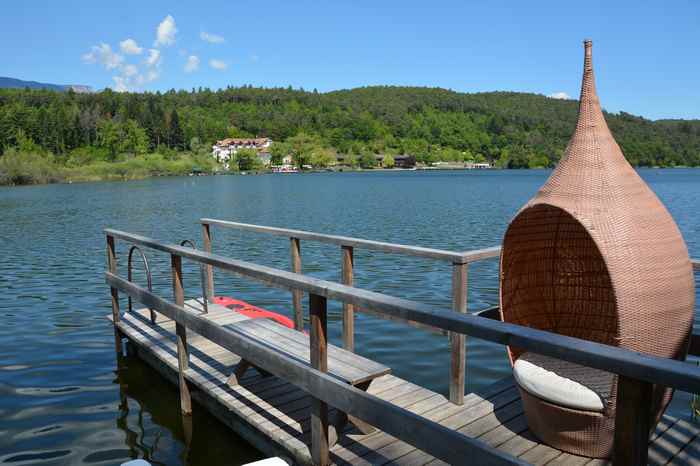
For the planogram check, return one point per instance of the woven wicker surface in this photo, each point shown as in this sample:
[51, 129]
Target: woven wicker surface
[596, 255]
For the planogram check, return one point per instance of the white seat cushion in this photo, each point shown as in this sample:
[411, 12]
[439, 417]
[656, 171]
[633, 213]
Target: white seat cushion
[554, 388]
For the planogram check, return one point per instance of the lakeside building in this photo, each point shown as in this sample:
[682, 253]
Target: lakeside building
[400, 161]
[477, 165]
[287, 165]
[223, 150]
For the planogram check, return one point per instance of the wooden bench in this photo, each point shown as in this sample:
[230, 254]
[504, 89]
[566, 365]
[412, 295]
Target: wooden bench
[349, 367]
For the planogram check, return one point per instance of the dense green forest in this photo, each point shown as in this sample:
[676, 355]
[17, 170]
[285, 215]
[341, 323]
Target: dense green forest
[171, 132]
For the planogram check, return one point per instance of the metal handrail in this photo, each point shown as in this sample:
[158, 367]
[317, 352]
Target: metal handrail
[203, 276]
[149, 279]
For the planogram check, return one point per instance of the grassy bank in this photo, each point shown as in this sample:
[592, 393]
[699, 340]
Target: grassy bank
[34, 167]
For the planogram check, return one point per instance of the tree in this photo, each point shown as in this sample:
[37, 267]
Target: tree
[302, 146]
[248, 160]
[536, 160]
[109, 137]
[176, 138]
[351, 160]
[322, 158]
[278, 151]
[134, 138]
[368, 160]
[505, 128]
[25, 143]
[388, 161]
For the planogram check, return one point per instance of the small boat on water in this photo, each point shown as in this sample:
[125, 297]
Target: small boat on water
[285, 169]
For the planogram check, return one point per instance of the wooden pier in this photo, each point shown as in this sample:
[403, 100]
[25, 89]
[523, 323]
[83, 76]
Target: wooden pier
[275, 416]
[296, 403]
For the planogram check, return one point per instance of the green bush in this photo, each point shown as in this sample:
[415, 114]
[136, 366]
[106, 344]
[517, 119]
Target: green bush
[18, 167]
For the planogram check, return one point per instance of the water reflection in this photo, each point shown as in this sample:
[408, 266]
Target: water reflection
[147, 402]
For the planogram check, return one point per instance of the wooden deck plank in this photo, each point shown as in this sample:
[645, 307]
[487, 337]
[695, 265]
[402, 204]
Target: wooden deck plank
[689, 455]
[278, 413]
[519, 444]
[567, 459]
[367, 450]
[472, 409]
[397, 449]
[506, 431]
[671, 442]
[540, 454]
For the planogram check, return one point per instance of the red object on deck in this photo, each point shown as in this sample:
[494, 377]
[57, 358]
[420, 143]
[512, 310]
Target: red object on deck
[251, 311]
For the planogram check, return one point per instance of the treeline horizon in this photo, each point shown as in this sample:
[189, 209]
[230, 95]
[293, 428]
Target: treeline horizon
[508, 129]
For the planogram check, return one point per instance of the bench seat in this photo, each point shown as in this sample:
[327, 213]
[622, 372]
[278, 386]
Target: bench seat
[345, 365]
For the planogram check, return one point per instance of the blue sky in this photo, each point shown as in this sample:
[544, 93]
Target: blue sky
[646, 53]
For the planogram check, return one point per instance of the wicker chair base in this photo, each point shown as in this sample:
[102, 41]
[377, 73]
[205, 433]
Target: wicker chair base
[582, 433]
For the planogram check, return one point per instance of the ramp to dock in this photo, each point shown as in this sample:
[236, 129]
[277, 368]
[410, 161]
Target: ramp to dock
[274, 415]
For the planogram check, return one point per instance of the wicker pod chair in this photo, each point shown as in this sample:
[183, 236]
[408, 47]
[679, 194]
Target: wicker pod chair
[594, 255]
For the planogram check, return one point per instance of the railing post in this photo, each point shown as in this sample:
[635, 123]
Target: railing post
[632, 421]
[181, 334]
[295, 251]
[348, 309]
[457, 340]
[206, 234]
[319, 361]
[112, 267]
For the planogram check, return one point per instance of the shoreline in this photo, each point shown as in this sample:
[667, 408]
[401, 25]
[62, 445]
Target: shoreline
[118, 179]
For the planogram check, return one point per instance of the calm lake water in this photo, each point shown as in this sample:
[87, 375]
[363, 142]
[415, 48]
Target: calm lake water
[60, 398]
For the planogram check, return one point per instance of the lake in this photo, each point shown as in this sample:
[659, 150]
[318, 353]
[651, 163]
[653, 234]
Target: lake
[60, 400]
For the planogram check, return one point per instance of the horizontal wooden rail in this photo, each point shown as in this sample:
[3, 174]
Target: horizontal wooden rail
[693, 348]
[416, 251]
[458, 260]
[620, 361]
[431, 437]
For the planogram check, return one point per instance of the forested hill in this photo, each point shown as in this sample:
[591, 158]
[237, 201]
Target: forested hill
[510, 129]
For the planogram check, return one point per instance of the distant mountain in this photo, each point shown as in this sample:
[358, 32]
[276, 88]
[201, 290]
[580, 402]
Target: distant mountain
[13, 83]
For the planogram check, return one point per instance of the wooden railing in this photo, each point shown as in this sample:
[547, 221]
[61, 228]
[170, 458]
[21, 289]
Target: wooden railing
[458, 260]
[637, 372]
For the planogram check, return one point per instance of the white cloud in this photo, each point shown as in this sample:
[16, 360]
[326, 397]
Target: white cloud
[120, 84]
[192, 64]
[559, 95]
[130, 47]
[151, 75]
[165, 34]
[130, 78]
[103, 55]
[218, 64]
[153, 58]
[211, 38]
[130, 70]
